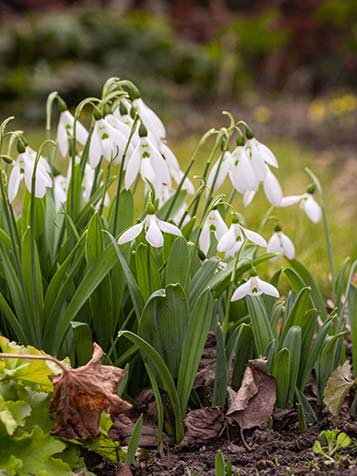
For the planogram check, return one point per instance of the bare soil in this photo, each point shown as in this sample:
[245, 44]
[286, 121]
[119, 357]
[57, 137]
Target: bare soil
[284, 452]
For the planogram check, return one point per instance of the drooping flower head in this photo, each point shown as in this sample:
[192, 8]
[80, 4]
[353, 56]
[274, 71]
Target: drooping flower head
[23, 168]
[254, 287]
[65, 132]
[307, 203]
[232, 240]
[281, 244]
[153, 228]
[214, 224]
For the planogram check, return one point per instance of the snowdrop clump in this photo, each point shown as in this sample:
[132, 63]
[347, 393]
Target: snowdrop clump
[129, 135]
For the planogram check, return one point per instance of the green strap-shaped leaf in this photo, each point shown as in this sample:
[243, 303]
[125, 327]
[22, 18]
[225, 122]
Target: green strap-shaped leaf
[134, 441]
[281, 372]
[199, 324]
[152, 357]
[261, 327]
[221, 378]
[293, 344]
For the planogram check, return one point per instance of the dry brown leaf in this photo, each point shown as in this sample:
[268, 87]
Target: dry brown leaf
[123, 427]
[337, 388]
[254, 402]
[81, 395]
[124, 470]
[202, 425]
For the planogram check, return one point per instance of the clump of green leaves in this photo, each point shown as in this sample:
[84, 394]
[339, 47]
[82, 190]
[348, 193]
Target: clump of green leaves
[26, 445]
[335, 440]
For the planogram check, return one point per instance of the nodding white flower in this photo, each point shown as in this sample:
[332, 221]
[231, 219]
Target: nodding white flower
[242, 173]
[153, 228]
[280, 243]
[107, 141]
[60, 188]
[254, 287]
[175, 169]
[23, 167]
[65, 132]
[307, 203]
[224, 164]
[260, 156]
[272, 188]
[147, 161]
[151, 120]
[214, 223]
[232, 240]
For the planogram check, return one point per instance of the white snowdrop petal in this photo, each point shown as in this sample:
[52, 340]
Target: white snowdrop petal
[205, 238]
[219, 171]
[254, 237]
[227, 241]
[154, 235]
[312, 209]
[267, 288]
[133, 167]
[169, 228]
[272, 189]
[131, 233]
[95, 148]
[288, 246]
[241, 291]
[274, 246]
[268, 155]
[290, 200]
[248, 198]
[62, 137]
[170, 157]
[14, 182]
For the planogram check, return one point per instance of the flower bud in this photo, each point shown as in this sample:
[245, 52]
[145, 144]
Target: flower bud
[249, 133]
[6, 158]
[310, 189]
[123, 109]
[235, 218]
[240, 139]
[150, 209]
[253, 272]
[21, 145]
[97, 114]
[143, 132]
[62, 106]
[134, 93]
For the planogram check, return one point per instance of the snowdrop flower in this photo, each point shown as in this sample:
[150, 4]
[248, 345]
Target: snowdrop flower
[65, 132]
[151, 120]
[175, 169]
[214, 223]
[146, 160]
[60, 188]
[153, 228]
[307, 203]
[281, 244]
[254, 287]
[107, 141]
[232, 240]
[260, 156]
[225, 163]
[272, 188]
[23, 167]
[242, 173]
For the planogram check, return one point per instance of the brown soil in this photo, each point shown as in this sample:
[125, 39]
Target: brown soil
[285, 452]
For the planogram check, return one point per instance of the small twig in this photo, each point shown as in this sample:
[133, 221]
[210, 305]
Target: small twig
[35, 357]
[244, 440]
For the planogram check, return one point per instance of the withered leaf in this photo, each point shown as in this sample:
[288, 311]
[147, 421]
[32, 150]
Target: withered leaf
[124, 470]
[337, 387]
[202, 425]
[254, 402]
[81, 395]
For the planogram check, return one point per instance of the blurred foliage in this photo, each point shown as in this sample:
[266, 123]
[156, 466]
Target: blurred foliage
[76, 50]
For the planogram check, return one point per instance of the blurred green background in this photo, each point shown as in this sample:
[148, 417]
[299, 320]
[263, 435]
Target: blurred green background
[288, 67]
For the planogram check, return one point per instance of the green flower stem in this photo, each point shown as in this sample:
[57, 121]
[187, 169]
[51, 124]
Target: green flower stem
[121, 175]
[230, 291]
[202, 142]
[326, 225]
[49, 104]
